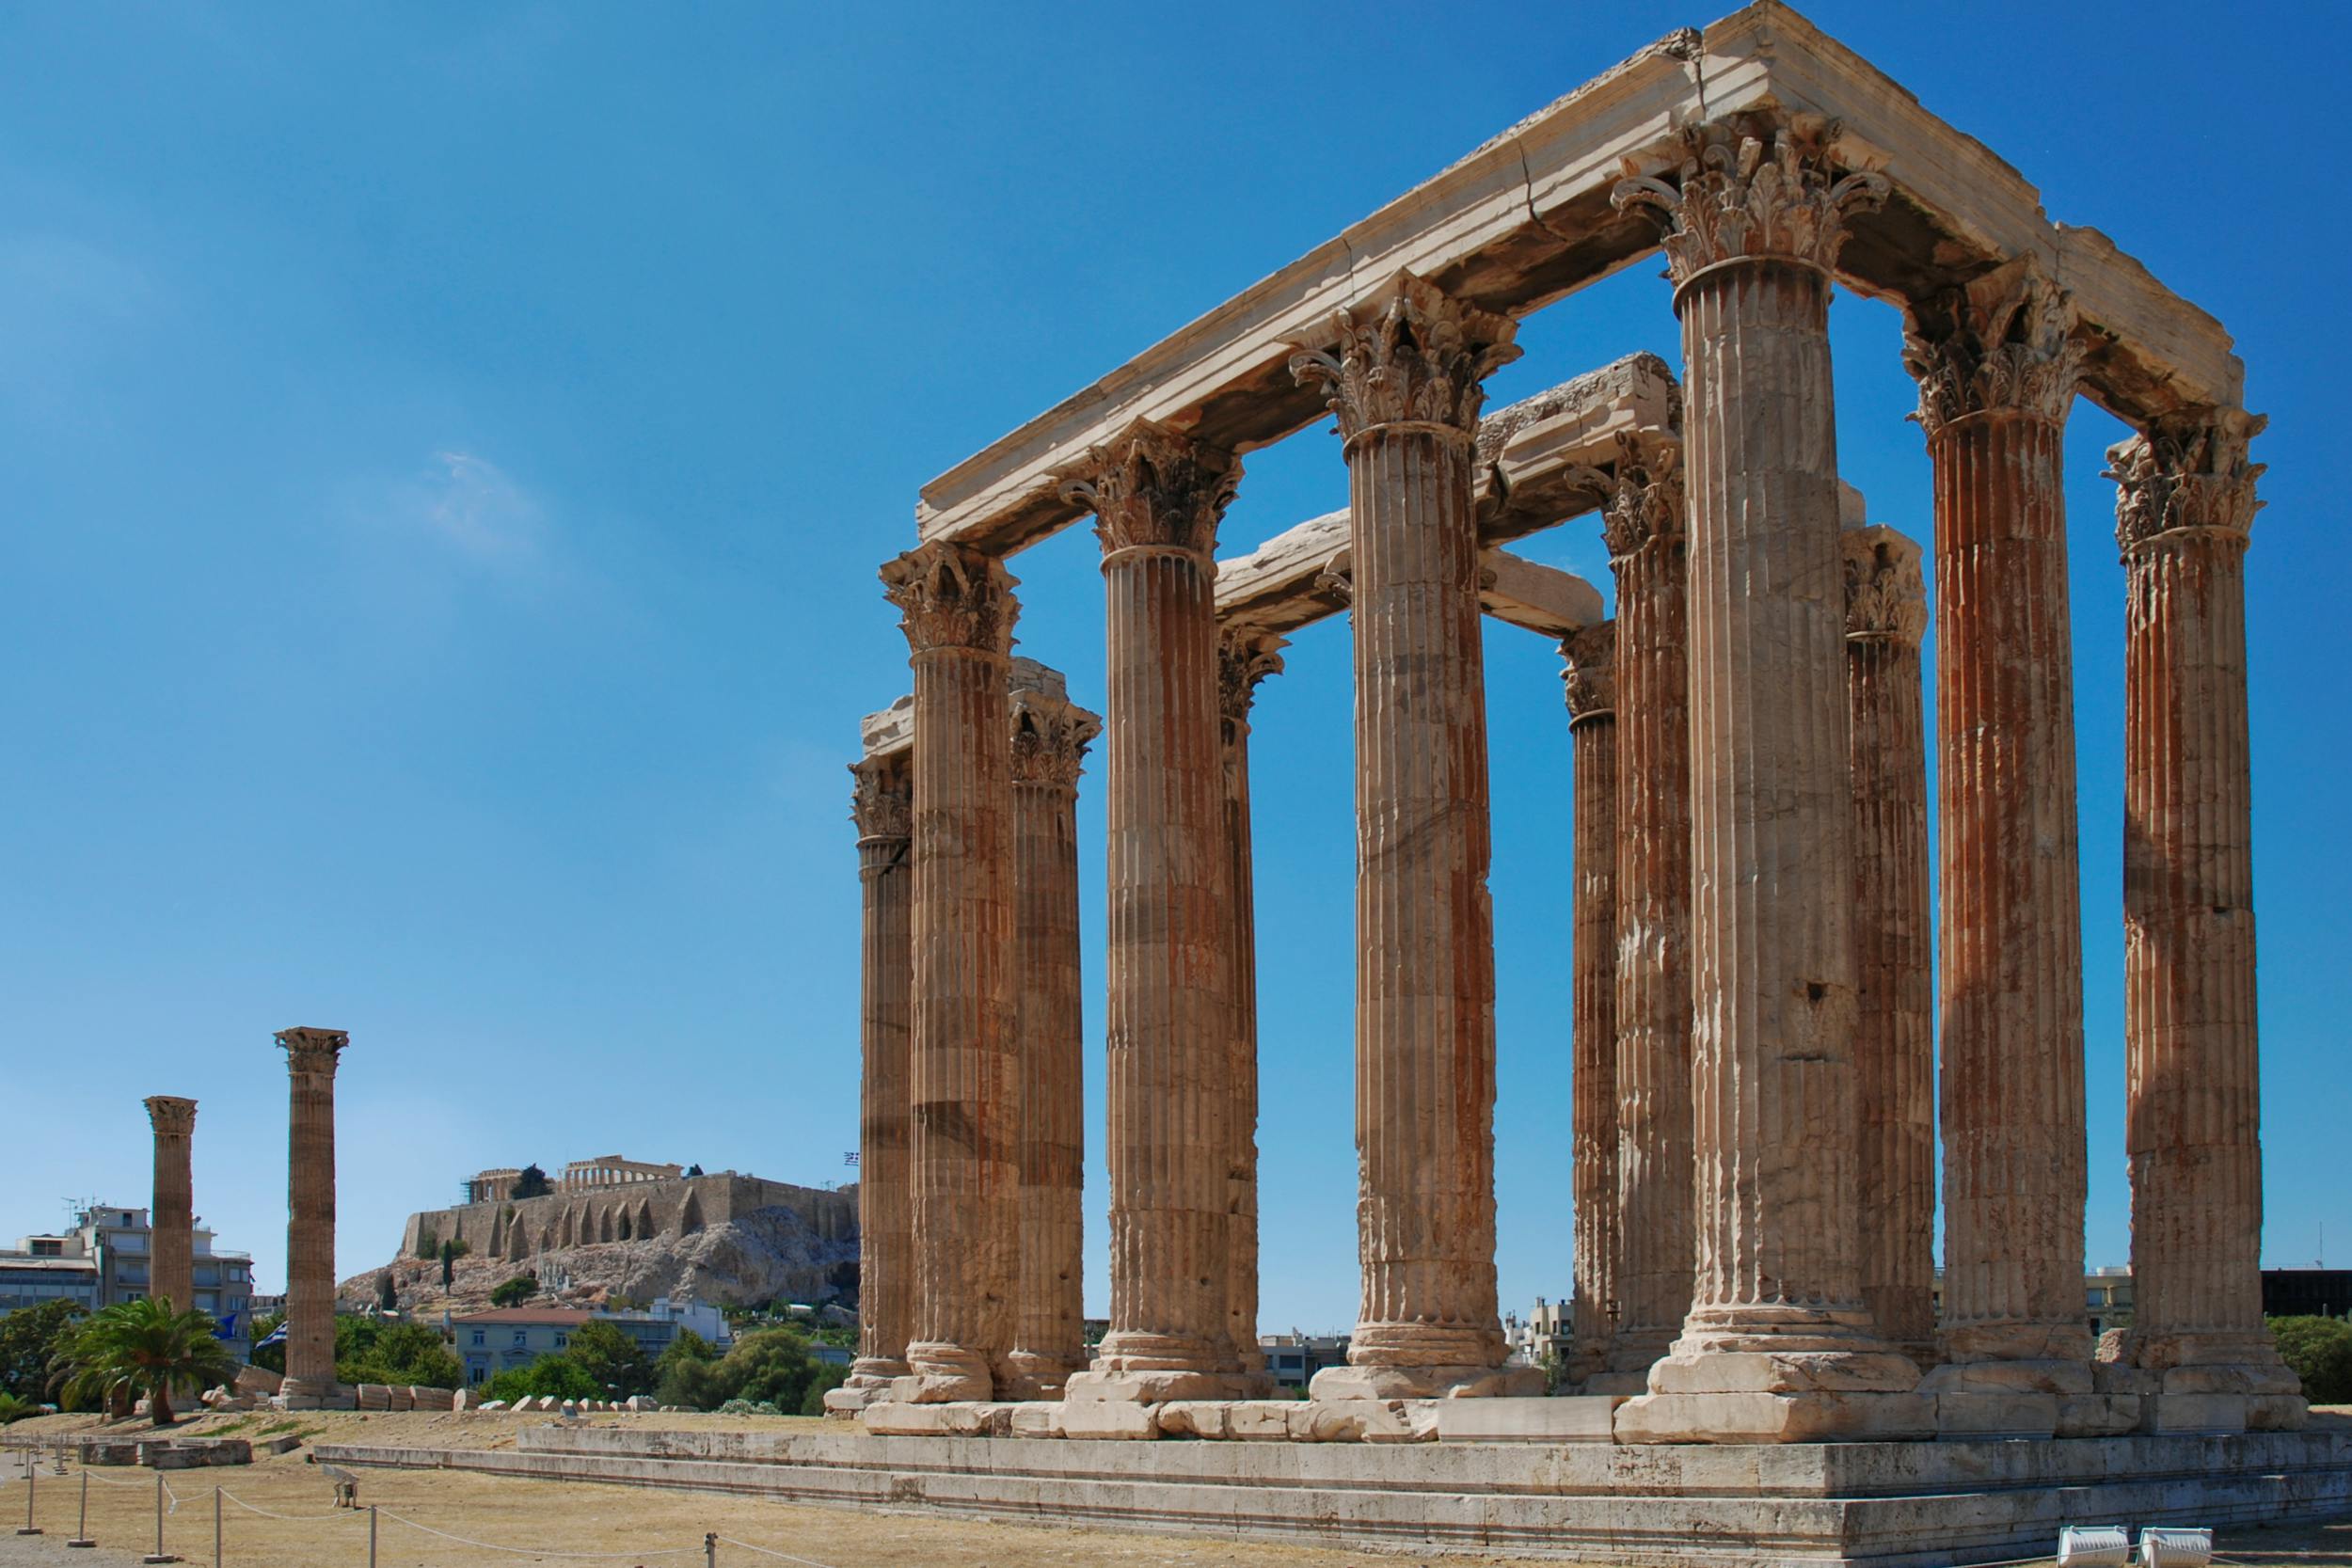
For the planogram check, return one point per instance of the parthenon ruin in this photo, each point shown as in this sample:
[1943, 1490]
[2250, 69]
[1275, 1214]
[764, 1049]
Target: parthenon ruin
[1756, 1116]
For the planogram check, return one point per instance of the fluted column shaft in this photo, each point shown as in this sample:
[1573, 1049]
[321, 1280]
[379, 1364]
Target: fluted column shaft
[1894, 936]
[1647, 548]
[1406, 379]
[1049, 741]
[171, 1219]
[1777, 1345]
[311, 1057]
[1244, 658]
[1591, 656]
[963, 1067]
[1157, 498]
[2193, 1118]
[885, 805]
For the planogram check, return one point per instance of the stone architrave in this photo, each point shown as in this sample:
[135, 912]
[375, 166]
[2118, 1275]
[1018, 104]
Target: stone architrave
[1590, 678]
[1642, 525]
[1245, 658]
[1996, 364]
[311, 1058]
[1778, 1346]
[958, 610]
[1157, 498]
[2184, 512]
[171, 1243]
[1894, 1046]
[882, 806]
[1405, 374]
[1050, 736]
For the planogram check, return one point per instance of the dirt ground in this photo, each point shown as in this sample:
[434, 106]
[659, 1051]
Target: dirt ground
[506, 1520]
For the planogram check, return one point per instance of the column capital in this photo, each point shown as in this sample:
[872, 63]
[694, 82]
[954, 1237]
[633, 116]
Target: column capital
[313, 1050]
[2003, 342]
[1245, 657]
[1641, 494]
[1050, 734]
[1412, 357]
[1591, 674]
[1151, 487]
[882, 797]
[1756, 188]
[170, 1115]
[1886, 593]
[951, 595]
[2187, 476]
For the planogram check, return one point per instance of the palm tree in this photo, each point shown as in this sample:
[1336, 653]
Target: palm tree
[143, 1347]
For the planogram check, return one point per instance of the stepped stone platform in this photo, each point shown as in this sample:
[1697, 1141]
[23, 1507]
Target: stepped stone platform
[1889, 1505]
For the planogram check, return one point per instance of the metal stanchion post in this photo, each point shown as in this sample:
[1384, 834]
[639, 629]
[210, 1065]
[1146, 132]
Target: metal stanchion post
[81, 1532]
[32, 1473]
[159, 1555]
[370, 1535]
[710, 1549]
[216, 1526]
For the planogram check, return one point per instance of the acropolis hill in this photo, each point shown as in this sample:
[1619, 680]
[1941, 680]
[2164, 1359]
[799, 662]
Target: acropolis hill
[731, 1239]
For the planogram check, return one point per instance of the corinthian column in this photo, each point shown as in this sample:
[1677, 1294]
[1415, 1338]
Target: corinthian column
[882, 806]
[171, 1235]
[1591, 681]
[1050, 735]
[1245, 658]
[958, 611]
[1996, 367]
[1894, 1045]
[311, 1057]
[2185, 510]
[1157, 497]
[1405, 374]
[1644, 528]
[1778, 1346]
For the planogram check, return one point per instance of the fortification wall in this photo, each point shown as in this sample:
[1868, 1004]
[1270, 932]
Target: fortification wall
[524, 1227]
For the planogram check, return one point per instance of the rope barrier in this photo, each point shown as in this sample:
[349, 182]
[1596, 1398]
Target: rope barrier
[764, 1551]
[295, 1518]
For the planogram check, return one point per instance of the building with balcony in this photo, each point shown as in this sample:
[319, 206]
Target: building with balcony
[103, 1259]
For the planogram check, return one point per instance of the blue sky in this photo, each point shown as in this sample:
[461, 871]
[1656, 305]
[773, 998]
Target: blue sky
[447, 451]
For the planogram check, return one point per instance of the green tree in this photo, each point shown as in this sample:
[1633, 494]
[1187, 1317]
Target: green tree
[829, 1375]
[532, 1182]
[687, 1374]
[386, 1294]
[398, 1353]
[517, 1291]
[2320, 1350]
[557, 1375]
[29, 1339]
[451, 1252]
[616, 1362]
[15, 1409]
[144, 1347]
[772, 1367]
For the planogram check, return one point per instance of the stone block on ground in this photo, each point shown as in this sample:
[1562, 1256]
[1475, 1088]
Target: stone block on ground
[954, 1419]
[1111, 1419]
[1814, 1417]
[257, 1380]
[284, 1442]
[2008, 1414]
[1032, 1418]
[1352, 1421]
[2200, 1414]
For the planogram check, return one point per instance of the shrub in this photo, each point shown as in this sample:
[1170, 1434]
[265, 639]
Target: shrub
[616, 1361]
[557, 1375]
[2320, 1350]
[517, 1291]
[398, 1353]
[29, 1340]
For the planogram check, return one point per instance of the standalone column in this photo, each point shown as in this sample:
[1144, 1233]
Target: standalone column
[1997, 365]
[1050, 735]
[1591, 681]
[1894, 1043]
[1157, 498]
[172, 1237]
[1244, 658]
[1644, 528]
[1407, 379]
[311, 1057]
[1778, 1346]
[882, 806]
[957, 612]
[2193, 1124]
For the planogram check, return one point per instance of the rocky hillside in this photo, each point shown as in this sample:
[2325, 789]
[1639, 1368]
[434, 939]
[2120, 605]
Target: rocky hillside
[766, 1255]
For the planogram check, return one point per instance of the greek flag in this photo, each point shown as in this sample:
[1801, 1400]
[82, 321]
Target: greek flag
[276, 1336]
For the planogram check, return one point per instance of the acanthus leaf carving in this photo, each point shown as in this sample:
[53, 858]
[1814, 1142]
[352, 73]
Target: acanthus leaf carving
[882, 797]
[1887, 591]
[314, 1050]
[2187, 475]
[1245, 657]
[1413, 355]
[1590, 674]
[1740, 197]
[171, 1116]
[1642, 495]
[2005, 340]
[1153, 487]
[951, 595]
[1050, 737]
